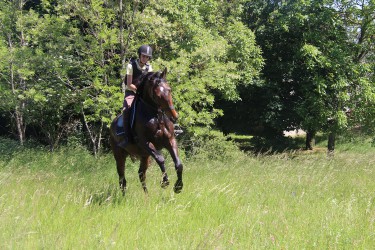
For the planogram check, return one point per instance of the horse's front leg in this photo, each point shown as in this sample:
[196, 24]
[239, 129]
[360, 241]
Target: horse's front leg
[173, 150]
[160, 161]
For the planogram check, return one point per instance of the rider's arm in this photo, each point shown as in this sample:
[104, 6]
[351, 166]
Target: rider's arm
[129, 79]
[129, 83]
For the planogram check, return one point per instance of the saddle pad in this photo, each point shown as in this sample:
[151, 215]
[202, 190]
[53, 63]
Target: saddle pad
[120, 121]
[120, 126]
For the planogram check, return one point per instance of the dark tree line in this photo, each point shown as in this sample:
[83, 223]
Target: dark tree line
[319, 64]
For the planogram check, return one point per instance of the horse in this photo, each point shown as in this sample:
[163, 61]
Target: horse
[152, 129]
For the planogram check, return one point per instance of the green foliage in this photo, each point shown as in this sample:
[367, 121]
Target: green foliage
[311, 68]
[205, 58]
[277, 64]
[69, 61]
[204, 143]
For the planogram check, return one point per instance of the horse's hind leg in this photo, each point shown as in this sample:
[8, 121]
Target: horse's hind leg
[120, 157]
[145, 162]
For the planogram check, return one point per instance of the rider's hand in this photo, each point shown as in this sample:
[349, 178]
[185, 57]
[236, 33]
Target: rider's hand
[132, 87]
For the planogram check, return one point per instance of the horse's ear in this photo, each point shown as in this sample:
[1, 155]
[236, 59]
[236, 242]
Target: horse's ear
[164, 73]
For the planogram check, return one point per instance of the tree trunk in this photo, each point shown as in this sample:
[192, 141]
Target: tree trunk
[20, 107]
[310, 140]
[18, 114]
[331, 143]
[21, 128]
[99, 142]
[95, 136]
[122, 44]
[125, 44]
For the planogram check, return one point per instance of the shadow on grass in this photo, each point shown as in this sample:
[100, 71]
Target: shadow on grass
[275, 144]
[10, 147]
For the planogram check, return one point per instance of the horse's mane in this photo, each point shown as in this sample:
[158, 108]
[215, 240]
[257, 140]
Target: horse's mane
[145, 78]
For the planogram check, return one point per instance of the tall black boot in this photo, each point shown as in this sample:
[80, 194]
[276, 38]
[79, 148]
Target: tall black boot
[125, 117]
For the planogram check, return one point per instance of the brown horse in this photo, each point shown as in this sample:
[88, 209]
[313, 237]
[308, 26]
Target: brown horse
[152, 130]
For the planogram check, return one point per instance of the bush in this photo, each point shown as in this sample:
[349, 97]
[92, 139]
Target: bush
[205, 143]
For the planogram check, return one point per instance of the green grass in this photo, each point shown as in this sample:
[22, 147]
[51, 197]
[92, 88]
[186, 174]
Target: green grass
[296, 200]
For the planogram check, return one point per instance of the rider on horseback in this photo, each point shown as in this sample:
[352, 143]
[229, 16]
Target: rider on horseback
[134, 70]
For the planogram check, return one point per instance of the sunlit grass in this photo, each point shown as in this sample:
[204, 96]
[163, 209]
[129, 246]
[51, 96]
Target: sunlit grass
[70, 200]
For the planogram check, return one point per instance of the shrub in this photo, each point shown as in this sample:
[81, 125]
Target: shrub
[205, 143]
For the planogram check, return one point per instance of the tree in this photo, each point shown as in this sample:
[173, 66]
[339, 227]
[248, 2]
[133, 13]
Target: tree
[36, 71]
[15, 70]
[310, 67]
[208, 60]
[359, 18]
[95, 75]
[70, 64]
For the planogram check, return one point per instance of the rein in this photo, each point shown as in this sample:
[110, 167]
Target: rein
[159, 111]
[147, 96]
[152, 97]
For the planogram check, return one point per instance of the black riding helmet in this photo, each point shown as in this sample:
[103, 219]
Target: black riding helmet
[145, 50]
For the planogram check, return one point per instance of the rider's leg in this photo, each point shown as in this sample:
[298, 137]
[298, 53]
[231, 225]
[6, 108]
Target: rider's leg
[125, 117]
[129, 97]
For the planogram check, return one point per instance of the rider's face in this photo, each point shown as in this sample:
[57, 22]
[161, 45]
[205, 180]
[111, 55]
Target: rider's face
[144, 59]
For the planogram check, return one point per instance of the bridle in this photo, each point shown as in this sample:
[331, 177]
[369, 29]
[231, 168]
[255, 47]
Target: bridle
[157, 82]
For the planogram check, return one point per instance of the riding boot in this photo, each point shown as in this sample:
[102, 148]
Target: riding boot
[126, 117]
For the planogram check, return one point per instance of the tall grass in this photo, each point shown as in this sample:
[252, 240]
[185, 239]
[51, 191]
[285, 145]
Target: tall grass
[70, 200]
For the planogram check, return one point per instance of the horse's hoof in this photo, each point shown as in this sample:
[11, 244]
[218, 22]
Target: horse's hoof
[178, 187]
[177, 190]
[164, 184]
[123, 189]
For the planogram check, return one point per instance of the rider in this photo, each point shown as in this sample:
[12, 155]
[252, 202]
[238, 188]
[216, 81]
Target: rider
[135, 68]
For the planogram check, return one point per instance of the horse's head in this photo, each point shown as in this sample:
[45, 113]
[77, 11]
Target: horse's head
[161, 94]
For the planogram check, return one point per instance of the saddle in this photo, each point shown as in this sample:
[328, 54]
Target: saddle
[120, 121]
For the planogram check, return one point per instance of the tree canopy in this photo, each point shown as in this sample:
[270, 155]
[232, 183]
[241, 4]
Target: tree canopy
[276, 64]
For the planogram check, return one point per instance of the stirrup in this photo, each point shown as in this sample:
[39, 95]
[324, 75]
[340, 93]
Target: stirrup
[177, 130]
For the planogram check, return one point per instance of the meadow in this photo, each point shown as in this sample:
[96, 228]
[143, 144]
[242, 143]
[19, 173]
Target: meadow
[69, 199]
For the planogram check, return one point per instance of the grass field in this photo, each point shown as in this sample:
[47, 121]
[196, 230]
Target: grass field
[293, 200]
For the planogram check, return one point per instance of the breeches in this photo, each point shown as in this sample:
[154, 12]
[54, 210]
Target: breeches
[128, 100]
